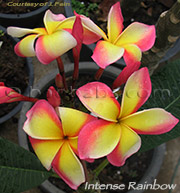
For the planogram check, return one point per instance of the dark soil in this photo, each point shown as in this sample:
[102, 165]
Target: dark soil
[132, 171]
[13, 71]
[4, 8]
[148, 11]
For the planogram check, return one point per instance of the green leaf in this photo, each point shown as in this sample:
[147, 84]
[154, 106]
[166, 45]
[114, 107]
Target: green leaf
[165, 94]
[20, 169]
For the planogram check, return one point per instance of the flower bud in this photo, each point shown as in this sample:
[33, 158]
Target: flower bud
[8, 95]
[53, 97]
[59, 81]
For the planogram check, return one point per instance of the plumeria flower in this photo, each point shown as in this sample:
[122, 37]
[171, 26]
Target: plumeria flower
[53, 40]
[130, 43]
[55, 141]
[49, 42]
[115, 134]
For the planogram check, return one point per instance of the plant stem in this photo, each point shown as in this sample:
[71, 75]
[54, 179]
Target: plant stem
[61, 71]
[30, 99]
[76, 69]
[99, 74]
[85, 170]
[99, 169]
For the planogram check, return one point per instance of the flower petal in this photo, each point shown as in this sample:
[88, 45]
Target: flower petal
[20, 32]
[89, 37]
[125, 74]
[152, 121]
[74, 145]
[91, 32]
[69, 117]
[68, 167]
[106, 53]
[73, 142]
[49, 47]
[115, 22]
[129, 144]
[132, 54]
[46, 150]
[25, 48]
[67, 23]
[136, 92]
[139, 34]
[51, 21]
[98, 139]
[42, 122]
[99, 99]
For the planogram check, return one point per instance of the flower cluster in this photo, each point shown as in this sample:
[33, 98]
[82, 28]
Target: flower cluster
[62, 137]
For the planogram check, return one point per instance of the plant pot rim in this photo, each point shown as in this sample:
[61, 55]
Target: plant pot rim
[30, 70]
[15, 16]
[48, 187]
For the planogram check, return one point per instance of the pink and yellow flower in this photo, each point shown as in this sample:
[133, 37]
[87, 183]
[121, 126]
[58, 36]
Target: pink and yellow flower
[53, 40]
[130, 43]
[49, 42]
[115, 134]
[55, 141]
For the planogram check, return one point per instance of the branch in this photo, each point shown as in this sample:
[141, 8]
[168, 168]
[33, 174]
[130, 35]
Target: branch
[167, 32]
